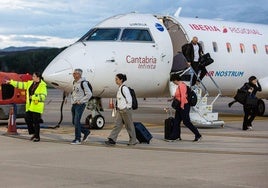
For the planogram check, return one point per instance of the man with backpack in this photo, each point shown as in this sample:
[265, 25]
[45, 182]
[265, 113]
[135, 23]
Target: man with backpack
[79, 97]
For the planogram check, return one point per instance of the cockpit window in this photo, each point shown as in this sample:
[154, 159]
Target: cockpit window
[103, 34]
[136, 35]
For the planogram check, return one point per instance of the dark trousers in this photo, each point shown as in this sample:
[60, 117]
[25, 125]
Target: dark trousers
[33, 123]
[250, 113]
[196, 67]
[183, 115]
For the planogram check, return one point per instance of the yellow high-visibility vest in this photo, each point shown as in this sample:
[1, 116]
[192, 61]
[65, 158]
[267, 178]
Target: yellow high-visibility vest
[37, 103]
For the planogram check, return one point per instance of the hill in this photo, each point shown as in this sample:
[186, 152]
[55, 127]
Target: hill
[27, 59]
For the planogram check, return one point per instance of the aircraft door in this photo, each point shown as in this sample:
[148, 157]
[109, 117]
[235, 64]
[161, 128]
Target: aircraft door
[178, 38]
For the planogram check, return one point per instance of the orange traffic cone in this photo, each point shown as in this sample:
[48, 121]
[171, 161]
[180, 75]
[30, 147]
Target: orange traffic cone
[111, 103]
[12, 128]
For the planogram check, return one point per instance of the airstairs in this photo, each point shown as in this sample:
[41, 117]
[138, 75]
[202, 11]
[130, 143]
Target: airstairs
[202, 113]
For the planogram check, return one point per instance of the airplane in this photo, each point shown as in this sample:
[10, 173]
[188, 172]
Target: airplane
[142, 46]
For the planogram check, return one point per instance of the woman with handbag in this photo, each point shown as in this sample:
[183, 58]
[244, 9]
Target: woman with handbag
[183, 107]
[250, 106]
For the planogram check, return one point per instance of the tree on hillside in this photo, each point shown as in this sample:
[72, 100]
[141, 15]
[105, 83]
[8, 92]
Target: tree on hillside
[28, 61]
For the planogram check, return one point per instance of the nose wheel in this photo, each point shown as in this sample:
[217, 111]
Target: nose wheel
[96, 122]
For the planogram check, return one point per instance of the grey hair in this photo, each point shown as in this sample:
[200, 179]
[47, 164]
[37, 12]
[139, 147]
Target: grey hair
[80, 71]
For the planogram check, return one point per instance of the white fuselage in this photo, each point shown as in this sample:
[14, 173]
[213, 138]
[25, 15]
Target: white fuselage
[147, 63]
[231, 69]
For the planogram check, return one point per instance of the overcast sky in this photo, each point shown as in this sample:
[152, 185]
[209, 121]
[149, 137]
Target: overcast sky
[58, 23]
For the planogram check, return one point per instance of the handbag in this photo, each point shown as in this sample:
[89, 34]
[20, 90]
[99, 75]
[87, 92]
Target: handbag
[175, 104]
[241, 96]
[206, 60]
[252, 101]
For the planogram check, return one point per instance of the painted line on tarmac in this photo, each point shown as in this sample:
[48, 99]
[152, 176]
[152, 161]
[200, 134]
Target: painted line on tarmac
[137, 147]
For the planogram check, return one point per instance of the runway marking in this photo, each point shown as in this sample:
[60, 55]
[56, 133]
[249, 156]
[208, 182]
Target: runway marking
[137, 147]
[236, 136]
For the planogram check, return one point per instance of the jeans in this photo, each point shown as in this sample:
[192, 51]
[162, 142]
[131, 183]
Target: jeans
[77, 112]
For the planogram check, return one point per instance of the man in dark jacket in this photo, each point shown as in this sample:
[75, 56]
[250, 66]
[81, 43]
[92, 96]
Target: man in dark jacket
[193, 53]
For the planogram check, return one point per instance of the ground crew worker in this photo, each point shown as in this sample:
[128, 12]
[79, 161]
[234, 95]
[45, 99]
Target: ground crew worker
[36, 92]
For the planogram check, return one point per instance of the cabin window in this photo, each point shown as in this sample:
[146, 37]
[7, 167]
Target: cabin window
[242, 48]
[202, 45]
[103, 34]
[136, 35]
[215, 46]
[228, 47]
[266, 49]
[255, 49]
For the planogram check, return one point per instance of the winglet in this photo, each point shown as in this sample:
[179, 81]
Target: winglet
[177, 13]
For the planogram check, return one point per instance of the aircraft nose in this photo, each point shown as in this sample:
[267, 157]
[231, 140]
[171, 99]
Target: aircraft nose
[59, 74]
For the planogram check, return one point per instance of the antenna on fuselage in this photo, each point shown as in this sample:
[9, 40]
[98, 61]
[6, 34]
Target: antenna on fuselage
[177, 13]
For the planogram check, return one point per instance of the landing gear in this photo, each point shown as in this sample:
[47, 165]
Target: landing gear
[260, 107]
[95, 120]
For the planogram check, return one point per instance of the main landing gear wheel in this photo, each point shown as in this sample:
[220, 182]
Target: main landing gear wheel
[260, 107]
[88, 121]
[96, 122]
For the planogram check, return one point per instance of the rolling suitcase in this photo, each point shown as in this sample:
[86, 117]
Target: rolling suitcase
[142, 134]
[172, 129]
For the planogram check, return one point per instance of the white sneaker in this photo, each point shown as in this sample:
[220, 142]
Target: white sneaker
[75, 142]
[250, 128]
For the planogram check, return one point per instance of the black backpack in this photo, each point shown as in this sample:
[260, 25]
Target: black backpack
[89, 85]
[191, 96]
[134, 98]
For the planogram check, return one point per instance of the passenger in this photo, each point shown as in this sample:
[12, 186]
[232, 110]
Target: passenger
[36, 92]
[179, 62]
[123, 114]
[79, 98]
[183, 112]
[193, 54]
[250, 110]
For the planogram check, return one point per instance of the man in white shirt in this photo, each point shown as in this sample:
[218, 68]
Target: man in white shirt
[193, 53]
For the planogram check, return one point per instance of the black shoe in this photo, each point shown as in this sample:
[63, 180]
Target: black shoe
[197, 139]
[36, 139]
[110, 142]
[32, 137]
[86, 136]
[230, 104]
[172, 140]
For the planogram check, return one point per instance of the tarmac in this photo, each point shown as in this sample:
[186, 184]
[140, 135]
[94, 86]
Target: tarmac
[225, 157]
